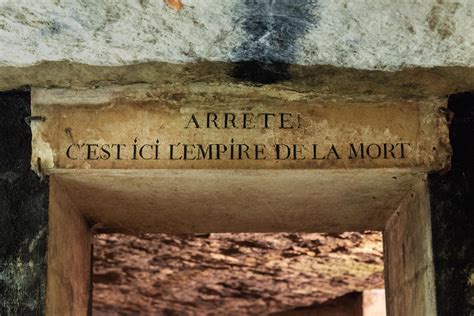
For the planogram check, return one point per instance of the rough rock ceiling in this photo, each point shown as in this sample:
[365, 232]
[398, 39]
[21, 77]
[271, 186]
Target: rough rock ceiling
[352, 34]
[231, 274]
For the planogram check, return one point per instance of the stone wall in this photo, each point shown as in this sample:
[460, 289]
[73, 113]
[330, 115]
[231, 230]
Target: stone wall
[452, 209]
[384, 34]
[23, 213]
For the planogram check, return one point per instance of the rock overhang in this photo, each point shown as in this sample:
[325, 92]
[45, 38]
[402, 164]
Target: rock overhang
[332, 47]
[385, 35]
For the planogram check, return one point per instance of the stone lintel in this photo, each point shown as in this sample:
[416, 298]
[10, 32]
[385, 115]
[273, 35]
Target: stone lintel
[203, 201]
[143, 127]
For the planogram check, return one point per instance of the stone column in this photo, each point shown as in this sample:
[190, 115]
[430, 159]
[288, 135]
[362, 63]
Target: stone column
[23, 213]
[408, 258]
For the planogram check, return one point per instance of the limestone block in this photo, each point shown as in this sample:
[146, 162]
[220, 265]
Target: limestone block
[142, 127]
[356, 34]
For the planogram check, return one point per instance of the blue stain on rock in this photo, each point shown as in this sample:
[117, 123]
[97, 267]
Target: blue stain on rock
[273, 28]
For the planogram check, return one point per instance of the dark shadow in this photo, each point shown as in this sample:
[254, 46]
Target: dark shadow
[452, 214]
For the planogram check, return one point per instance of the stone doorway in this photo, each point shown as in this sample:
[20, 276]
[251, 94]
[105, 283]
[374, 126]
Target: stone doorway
[69, 254]
[134, 159]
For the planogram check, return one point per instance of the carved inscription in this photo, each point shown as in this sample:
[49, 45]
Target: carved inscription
[146, 128]
[235, 149]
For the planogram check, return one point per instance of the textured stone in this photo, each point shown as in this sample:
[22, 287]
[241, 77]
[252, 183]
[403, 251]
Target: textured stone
[374, 35]
[23, 213]
[327, 82]
[452, 208]
[408, 256]
[230, 274]
[202, 201]
[69, 256]
[349, 135]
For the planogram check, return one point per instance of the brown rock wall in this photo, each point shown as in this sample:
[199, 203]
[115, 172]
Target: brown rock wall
[230, 274]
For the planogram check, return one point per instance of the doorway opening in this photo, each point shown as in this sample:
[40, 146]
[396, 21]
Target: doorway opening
[179, 202]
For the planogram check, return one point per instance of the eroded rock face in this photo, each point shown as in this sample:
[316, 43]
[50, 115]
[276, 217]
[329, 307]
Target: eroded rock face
[23, 213]
[373, 35]
[230, 274]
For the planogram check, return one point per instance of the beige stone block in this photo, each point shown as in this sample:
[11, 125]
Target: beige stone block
[202, 201]
[408, 257]
[143, 127]
[69, 256]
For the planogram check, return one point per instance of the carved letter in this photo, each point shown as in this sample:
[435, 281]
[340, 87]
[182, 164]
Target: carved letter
[193, 120]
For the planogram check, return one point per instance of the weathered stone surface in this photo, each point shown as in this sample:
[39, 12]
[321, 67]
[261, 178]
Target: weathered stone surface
[203, 201]
[23, 213]
[231, 274]
[328, 82]
[452, 209]
[142, 127]
[327, 47]
[225, 195]
[408, 256]
[69, 257]
[376, 35]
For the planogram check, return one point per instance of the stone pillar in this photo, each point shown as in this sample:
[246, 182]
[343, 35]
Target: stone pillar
[23, 213]
[429, 241]
[409, 271]
[452, 215]
[69, 256]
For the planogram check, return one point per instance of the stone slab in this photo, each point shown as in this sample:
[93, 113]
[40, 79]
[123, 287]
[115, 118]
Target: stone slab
[142, 127]
[408, 256]
[364, 35]
[203, 201]
[69, 257]
[309, 81]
